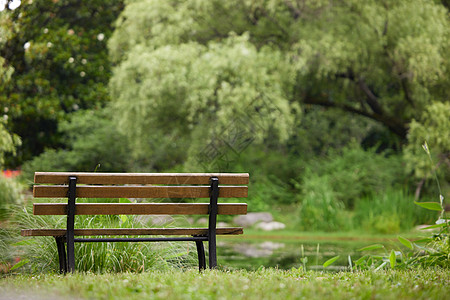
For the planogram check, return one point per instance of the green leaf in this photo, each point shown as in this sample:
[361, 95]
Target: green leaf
[405, 242]
[124, 218]
[361, 260]
[372, 247]
[424, 240]
[330, 261]
[430, 205]
[392, 259]
[377, 257]
[20, 264]
[435, 226]
[124, 200]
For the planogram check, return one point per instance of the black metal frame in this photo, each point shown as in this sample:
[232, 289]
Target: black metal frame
[70, 234]
[214, 195]
[66, 254]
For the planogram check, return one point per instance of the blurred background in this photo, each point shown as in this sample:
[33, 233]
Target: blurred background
[327, 104]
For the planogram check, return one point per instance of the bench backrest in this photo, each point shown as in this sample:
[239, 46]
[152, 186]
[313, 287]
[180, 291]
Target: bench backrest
[139, 185]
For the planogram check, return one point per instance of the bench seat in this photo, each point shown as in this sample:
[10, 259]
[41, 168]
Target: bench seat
[132, 231]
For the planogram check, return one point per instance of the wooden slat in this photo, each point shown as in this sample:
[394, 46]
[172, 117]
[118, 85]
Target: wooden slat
[140, 178]
[139, 208]
[131, 231]
[56, 191]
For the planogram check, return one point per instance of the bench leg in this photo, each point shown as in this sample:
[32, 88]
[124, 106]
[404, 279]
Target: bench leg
[61, 254]
[213, 210]
[212, 252]
[70, 224]
[201, 255]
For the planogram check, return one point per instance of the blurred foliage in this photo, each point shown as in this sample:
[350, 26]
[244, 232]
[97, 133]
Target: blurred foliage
[8, 142]
[10, 196]
[181, 93]
[351, 173]
[93, 143]
[207, 64]
[390, 212]
[432, 128]
[55, 54]
[319, 208]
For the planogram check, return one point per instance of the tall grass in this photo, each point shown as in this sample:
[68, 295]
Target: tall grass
[390, 212]
[319, 207]
[40, 253]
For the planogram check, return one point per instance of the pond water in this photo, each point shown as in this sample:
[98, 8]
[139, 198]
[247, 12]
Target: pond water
[287, 253]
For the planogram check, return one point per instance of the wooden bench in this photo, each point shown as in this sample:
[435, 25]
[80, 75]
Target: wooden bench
[137, 185]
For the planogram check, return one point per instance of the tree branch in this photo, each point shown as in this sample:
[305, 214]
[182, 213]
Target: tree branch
[372, 100]
[295, 12]
[394, 125]
[404, 83]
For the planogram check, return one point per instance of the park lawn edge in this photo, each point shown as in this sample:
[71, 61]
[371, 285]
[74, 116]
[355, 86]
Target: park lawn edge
[431, 283]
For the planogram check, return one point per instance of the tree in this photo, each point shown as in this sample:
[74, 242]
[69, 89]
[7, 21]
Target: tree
[57, 53]
[386, 60]
[431, 132]
[169, 98]
[184, 66]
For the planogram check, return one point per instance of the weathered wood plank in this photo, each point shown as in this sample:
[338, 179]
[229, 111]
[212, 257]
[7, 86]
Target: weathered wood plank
[138, 208]
[140, 178]
[47, 191]
[131, 231]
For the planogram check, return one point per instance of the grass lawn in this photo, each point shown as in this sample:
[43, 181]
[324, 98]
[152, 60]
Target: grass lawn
[261, 284]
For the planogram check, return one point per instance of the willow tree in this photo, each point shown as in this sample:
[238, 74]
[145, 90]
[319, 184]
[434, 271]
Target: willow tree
[187, 69]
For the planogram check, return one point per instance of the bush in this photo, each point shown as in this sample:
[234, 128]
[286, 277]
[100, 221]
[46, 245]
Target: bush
[92, 139]
[10, 195]
[353, 173]
[8, 141]
[271, 171]
[266, 191]
[319, 207]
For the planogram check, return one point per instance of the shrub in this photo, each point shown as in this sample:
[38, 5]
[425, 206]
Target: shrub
[91, 139]
[266, 191]
[353, 173]
[10, 194]
[319, 207]
[8, 141]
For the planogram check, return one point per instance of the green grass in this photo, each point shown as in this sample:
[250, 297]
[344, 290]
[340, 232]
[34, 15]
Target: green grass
[260, 284]
[39, 254]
